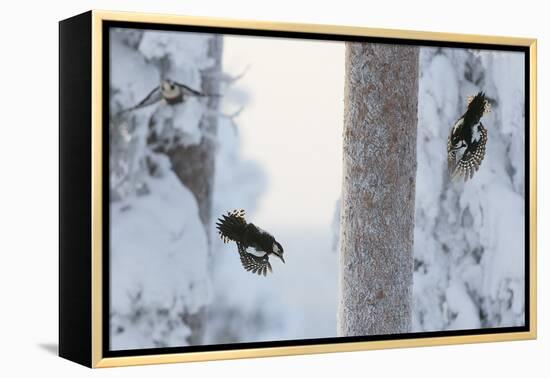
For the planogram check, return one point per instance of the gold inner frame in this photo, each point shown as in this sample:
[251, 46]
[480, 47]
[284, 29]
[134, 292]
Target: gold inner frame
[97, 214]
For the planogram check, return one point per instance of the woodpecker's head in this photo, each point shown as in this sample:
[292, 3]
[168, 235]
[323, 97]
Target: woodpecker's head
[170, 90]
[277, 250]
[456, 137]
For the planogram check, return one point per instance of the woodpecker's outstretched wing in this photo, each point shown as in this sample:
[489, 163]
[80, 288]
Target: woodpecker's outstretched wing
[232, 226]
[252, 263]
[470, 161]
[153, 97]
[188, 91]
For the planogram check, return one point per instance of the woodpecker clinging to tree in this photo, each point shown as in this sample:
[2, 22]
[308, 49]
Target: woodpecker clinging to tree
[170, 91]
[468, 138]
[254, 244]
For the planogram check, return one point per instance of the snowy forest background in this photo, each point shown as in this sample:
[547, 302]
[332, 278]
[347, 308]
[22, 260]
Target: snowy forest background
[276, 152]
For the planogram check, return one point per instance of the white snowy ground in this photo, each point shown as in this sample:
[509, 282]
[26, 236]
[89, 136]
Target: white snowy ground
[468, 237]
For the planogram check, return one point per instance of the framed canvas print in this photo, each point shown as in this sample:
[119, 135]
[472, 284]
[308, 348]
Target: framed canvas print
[235, 189]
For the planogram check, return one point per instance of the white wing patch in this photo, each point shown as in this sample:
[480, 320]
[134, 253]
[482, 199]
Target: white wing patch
[476, 135]
[457, 125]
[255, 252]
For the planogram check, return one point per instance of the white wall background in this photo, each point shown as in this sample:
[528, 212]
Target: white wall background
[28, 200]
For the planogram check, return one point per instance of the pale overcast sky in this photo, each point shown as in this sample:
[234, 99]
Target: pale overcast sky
[292, 124]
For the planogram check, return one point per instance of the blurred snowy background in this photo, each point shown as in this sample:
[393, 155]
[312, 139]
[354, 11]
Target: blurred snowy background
[276, 146]
[469, 241]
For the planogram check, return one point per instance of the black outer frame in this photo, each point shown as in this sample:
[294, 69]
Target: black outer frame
[75, 189]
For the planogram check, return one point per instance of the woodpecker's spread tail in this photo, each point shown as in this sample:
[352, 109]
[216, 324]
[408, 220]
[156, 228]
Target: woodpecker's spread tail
[478, 105]
[231, 226]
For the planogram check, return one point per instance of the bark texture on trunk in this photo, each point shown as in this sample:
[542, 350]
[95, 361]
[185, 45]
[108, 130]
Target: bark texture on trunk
[378, 193]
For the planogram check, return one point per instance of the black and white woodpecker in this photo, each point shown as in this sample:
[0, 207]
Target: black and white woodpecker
[468, 139]
[255, 245]
[170, 91]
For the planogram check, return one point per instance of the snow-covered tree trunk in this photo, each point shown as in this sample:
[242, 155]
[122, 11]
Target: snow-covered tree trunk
[160, 209]
[378, 193]
[194, 165]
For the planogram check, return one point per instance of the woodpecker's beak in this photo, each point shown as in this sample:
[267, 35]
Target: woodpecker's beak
[281, 257]
[277, 250]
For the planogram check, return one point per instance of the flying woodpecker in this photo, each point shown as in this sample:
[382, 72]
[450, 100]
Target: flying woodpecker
[170, 91]
[467, 139]
[254, 244]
